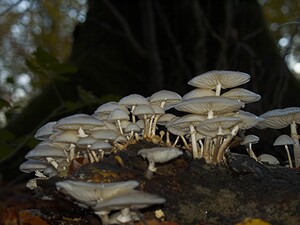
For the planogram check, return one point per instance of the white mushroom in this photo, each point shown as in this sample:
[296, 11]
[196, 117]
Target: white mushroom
[267, 158]
[285, 140]
[219, 79]
[248, 141]
[158, 155]
[210, 106]
[280, 118]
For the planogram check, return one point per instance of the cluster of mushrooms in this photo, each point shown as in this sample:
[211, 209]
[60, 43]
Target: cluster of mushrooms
[212, 120]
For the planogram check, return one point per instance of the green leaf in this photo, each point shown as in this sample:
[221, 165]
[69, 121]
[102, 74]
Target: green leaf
[45, 59]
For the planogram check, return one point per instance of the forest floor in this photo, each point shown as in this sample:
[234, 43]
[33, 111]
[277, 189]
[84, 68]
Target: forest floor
[196, 193]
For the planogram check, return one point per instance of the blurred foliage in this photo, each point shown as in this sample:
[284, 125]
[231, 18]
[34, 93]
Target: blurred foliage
[48, 67]
[283, 17]
[26, 24]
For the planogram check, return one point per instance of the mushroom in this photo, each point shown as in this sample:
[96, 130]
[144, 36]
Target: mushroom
[197, 93]
[47, 152]
[45, 131]
[146, 112]
[285, 140]
[248, 141]
[79, 122]
[132, 199]
[216, 128]
[108, 135]
[243, 95]
[158, 155]
[34, 166]
[267, 158]
[210, 106]
[118, 115]
[219, 79]
[165, 98]
[131, 101]
[104, 110]
[280, 118]
[188, 122]
[89, 194]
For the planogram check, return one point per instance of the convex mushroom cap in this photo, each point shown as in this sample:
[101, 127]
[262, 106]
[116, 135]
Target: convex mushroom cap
[210, 105]
[160, 154]
[219, 79]
[92, 193]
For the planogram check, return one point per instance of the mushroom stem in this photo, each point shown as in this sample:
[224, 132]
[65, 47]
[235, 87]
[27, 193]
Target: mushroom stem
[120, 126]
[81, 133]
[206, 153]
[289, 156]
[194, 143]
[151, 169]
[168, 142]
[184, 142]
[52, 162]
[216, 149]
[250, 152]
[175, 142]
[226, 144]
[218, 89]
[201, 148]
[294, 135]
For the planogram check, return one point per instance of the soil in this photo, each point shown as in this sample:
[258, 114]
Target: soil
[195, 192]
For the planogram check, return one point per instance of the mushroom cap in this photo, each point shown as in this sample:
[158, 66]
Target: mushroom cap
[45, 131]
[217, 126]
[85, 141]
[186, 120]
[267, 158]
[133, 100]
[132, 127]
[160, 154]
[203, 105]
[157, 109]
[168, 97]
[227, 79]
[108, 107]
[43, 151]
[280, 118]
[242, 94]
[284, 140]
[68, 136]
[107, 134]
[197, 93]
[133, 199]
[249, 120]
[178, 131]
[32, 165]
[92, 193]
[117, 114]
[165, 118]
[142, 110]
[253, 139]
[100, 144]
[77, 121]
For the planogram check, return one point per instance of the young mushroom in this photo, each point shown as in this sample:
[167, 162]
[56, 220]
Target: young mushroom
[248, 141]
[158, 155]
[285, 140]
